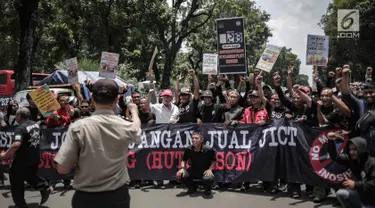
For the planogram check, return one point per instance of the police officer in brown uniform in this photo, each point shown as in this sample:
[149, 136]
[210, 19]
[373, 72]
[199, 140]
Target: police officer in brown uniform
[98, 146]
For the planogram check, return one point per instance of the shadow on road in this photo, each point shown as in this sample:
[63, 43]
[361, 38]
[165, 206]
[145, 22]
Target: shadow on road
[330, 201]
[31, 205]
[6, 194]
[196, 194]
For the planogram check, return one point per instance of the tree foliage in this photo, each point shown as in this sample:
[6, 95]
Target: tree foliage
[286, 58]
[132, 28]
[358, 53]
[256, 30]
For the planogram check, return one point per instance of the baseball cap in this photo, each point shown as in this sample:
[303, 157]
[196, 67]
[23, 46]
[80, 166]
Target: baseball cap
[167, 93]
[305, 89]
[207, 93]
[265, 87]
[105, 91]
[185, 91]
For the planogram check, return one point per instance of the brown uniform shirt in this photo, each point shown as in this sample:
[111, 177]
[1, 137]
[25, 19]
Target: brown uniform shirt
[98, 145]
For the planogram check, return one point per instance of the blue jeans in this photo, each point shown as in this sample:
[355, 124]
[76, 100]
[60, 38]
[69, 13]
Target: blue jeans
[349, 198]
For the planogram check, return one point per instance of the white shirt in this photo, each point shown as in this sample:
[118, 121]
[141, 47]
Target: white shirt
[163, 114]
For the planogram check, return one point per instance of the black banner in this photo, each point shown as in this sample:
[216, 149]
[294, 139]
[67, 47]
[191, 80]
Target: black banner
[4, 100]
[281, 149]
[231, 46]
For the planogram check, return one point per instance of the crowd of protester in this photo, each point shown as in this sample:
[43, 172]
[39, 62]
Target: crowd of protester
[337, 104]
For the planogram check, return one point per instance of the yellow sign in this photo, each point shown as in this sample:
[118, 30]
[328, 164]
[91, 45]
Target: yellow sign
[44, 100]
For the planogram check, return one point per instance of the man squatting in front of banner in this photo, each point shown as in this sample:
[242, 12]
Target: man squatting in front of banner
[202, 160]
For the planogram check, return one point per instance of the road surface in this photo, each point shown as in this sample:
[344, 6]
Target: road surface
[158, 198]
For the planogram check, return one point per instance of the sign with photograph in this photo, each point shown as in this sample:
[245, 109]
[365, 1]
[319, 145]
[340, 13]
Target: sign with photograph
[109, 65]
[72, 65]
[268, 58]
[317, 50]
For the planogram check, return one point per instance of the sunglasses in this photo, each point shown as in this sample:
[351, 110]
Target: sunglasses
[84, 106]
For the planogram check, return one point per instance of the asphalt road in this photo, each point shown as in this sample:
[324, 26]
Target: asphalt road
[158, 198]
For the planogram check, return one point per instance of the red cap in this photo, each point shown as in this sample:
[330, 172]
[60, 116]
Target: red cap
[167, 93]
[305, 89]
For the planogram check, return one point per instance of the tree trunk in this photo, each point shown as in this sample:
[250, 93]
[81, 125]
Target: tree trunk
[167, 72]
[28, 15]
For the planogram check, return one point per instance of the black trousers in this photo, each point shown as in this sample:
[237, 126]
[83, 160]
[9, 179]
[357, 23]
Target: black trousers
[2, 176]
[118, 198]
[190, 175]
[294, 187]
[18, 175]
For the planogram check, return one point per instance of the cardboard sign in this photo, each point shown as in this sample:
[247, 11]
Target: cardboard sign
[44, 100]
[209, 65]
[109, 65]
[317, 50]
[231, 46]
[72, 65]
[268, 58]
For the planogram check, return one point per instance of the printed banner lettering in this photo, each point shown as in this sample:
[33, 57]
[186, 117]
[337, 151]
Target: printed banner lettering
[4, 100]
[280, 149]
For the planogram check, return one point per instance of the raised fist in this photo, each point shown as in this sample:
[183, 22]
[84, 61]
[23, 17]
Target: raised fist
[276, 80]
[191, 72]
[331, 74]
[296, 87]
[346, 70]
[242, 80]
[259, 80]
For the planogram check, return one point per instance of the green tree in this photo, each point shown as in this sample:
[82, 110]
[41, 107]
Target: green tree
[286, 58]
[186, 17]
[28, 18]
[358, 53]
[256, 30]
[9, 33]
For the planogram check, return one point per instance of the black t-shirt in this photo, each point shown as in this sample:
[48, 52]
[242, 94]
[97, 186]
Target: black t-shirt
[325, 110]
[305, 112]
[235, 113]
[29, 134]
[199, 161]
[338, 120]
[145, 117]
[212, 113]
[35, 114]
[276, 113]
[309, 114]
[188, 112]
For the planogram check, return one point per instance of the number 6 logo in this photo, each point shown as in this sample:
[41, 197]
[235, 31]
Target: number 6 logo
[346, 19]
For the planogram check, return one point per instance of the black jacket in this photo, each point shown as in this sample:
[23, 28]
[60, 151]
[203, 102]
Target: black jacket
[362, 169]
